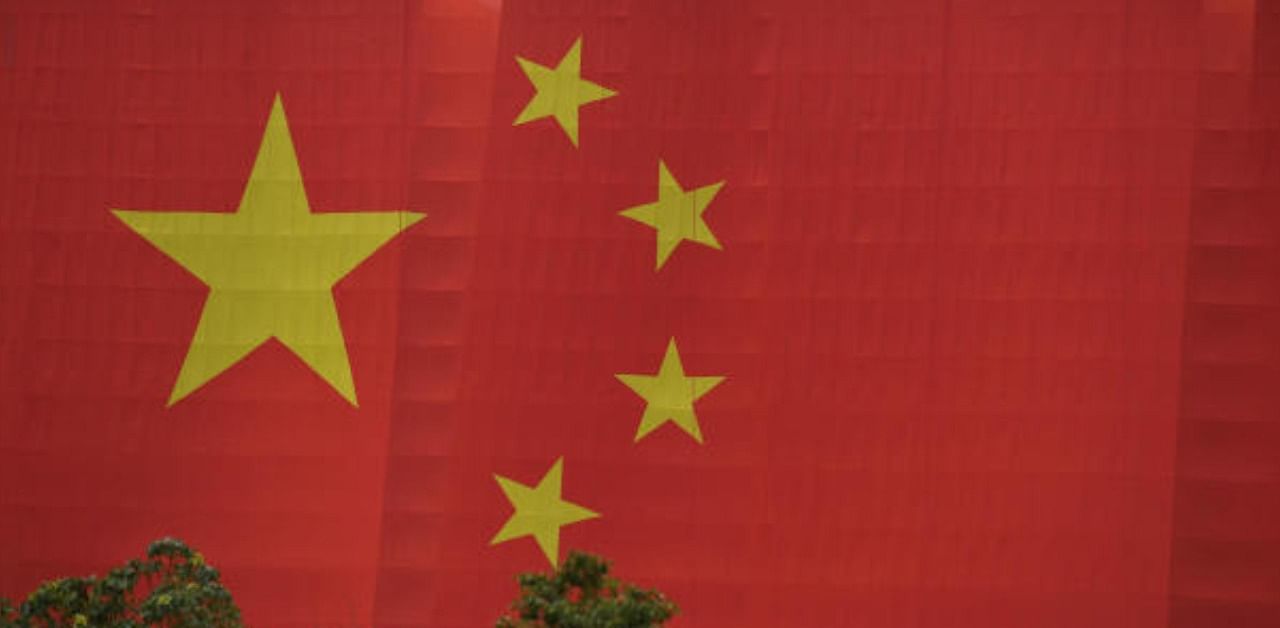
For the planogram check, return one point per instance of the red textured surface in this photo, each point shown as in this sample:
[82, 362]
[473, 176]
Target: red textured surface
[1226, 544]
[997, 306]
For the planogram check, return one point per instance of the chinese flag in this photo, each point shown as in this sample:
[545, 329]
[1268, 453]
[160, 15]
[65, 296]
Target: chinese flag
[882, 313]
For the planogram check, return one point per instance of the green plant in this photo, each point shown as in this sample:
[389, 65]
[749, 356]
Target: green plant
[172, 587]
[580, 594]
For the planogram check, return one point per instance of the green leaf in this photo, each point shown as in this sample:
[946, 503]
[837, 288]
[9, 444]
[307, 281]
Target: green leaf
[184, 592]
[580, 594]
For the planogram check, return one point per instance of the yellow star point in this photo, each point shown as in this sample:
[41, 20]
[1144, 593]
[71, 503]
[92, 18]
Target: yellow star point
[669, 395]
[540, 512]
[560, 91]
[677, 214]
[270, 267]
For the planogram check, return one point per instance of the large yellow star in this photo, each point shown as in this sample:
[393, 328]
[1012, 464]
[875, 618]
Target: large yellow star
[669, 395]
[540, 512]
[677, 214]
[560, 91]
[270, 267]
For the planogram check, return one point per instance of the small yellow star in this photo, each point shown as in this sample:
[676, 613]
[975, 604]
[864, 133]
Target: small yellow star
[677, 214]
[540, 512]
[669, 395]
[560, 91]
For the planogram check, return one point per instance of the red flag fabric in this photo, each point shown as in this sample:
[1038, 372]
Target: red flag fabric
[874, 313]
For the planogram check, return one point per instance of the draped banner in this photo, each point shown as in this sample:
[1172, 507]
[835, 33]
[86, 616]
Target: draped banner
[928, 313]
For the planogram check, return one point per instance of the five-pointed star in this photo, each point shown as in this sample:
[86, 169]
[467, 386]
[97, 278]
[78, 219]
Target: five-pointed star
[540, 512]
[560, 91]
[669, 395]
[677, 214]
[270, 267]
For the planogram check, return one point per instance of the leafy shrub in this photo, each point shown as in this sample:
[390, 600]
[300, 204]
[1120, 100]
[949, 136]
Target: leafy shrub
[172, 587]
[580, 594]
